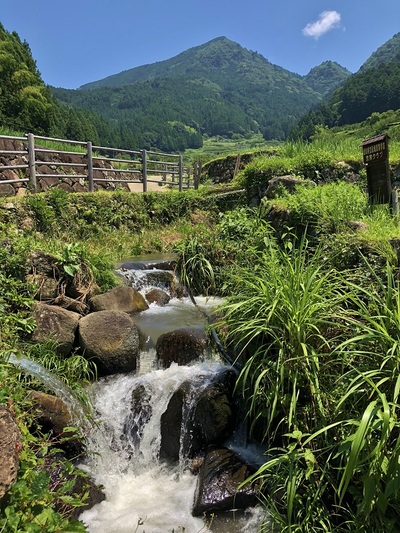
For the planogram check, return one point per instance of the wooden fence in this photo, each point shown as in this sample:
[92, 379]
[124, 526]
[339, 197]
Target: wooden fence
[88, 164]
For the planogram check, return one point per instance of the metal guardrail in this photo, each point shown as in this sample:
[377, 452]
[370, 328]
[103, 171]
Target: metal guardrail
[127, 166]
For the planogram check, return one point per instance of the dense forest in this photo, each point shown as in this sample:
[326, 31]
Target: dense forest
[218, 88]
[375, 88]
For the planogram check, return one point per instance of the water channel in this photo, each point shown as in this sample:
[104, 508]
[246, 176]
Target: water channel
[144, 494]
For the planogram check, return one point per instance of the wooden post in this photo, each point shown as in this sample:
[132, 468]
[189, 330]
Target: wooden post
[197, 168]
[90, 165]
[180, 173]
[144, 170]
[395, 201]
[31, 160]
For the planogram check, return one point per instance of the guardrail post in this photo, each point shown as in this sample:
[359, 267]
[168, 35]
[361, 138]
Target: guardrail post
[31, 162]
[144, 170]
[89, 163]
[180, 173]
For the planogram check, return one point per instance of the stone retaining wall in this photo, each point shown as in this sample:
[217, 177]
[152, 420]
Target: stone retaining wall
[51, 166]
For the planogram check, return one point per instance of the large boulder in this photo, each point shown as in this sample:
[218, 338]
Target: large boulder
[10, 444]
[218, 485]
[111, 339]
[209, 417]
[181, 346]
[122, 298]
[53, 322]
[158, 297]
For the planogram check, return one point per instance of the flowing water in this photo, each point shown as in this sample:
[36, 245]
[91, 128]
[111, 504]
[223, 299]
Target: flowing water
[144, 495]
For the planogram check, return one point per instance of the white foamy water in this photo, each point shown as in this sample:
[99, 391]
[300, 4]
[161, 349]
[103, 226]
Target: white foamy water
[142, 494]
[138, 488]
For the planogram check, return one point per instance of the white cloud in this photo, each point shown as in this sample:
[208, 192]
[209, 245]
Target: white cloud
[328, 20]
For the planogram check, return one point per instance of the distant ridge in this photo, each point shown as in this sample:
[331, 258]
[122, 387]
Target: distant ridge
[387, 53]
[217, 88]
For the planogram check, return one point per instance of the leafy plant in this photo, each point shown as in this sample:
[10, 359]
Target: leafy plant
[195, 269]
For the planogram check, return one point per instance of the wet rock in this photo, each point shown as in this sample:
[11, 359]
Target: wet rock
[161, 279]
[181, 346]
[214, 414]
[51, 412]
[10, 443]
[81, 486]
[122, 298]
[111, 339]
[209, 417]
[171, 425]
[140, 414]
[55, 323]
[157, 296]
[218, 483]
[95, 495]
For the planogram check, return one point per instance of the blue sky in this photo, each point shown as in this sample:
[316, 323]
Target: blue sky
[79, 41]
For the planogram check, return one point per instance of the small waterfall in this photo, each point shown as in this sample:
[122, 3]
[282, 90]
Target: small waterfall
[144, 494]
[77, 411]
[138, 486]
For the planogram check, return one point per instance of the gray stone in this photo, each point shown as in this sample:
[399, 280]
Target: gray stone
[181, 346]
[55, 323]
[111, 339]
[122, 298]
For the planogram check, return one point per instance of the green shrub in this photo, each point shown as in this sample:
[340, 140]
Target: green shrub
[329, 206]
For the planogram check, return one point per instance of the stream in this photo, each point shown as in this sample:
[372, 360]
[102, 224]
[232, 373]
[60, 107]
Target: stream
[142, 493]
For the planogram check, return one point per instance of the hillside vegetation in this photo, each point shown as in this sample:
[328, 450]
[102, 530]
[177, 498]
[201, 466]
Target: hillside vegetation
[374, 88]
[218, 88]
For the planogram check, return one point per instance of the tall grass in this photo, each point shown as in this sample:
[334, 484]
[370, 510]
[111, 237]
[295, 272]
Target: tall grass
[321, 381]
[277, 319]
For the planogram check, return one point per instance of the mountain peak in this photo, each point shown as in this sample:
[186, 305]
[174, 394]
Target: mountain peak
[326, 77]
[216, 54]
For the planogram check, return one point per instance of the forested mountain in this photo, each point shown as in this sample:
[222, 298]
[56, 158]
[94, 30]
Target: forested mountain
[374, 88]
[326, 77]
[389, 52]
[218, 88]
